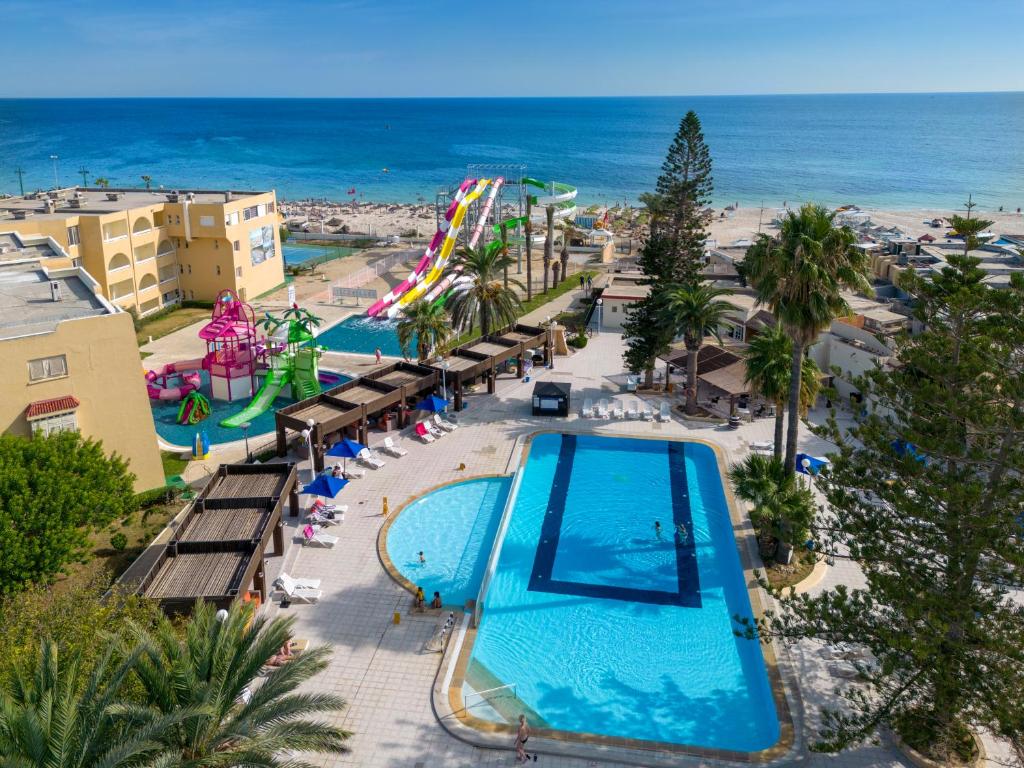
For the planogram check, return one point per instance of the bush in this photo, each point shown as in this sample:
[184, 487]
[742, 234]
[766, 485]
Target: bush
[577, 342]
[284, 233]
[154, 496]
[197, 304]
[119, 541]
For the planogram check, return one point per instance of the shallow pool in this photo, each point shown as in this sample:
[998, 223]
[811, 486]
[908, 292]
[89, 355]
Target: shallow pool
[454, 527]
[363, 335]
[603, 625]
[297, 254]
[165, 416]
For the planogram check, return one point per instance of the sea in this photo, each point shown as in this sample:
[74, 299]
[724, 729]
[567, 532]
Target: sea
[898, 151]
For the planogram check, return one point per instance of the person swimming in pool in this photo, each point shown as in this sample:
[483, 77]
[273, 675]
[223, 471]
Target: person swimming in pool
[436, 602]
[681, 533]
[657, 529]
[423, 560]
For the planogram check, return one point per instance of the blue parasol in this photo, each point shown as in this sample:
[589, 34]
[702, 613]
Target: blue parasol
[432, 403]
[325, 485]
[345, 449]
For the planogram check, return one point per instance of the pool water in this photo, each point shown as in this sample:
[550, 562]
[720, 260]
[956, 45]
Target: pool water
[454, 527]
[297, 254]
[165, 417]
[606, 627]
[362, 335]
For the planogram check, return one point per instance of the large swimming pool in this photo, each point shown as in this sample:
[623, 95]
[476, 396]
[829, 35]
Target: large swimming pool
[454, 527]
[363, 335]
[604, 626]
[298, 254]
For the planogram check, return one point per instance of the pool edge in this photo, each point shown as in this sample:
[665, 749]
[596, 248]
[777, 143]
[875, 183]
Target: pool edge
[450, 713]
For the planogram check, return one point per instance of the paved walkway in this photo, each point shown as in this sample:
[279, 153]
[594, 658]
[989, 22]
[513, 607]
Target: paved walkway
[379, 667]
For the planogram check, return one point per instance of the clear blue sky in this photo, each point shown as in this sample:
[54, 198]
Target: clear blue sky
[507, 48]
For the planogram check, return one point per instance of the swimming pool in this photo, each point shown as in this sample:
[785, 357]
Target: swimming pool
[604, 626]
[454, 527]
[165, 416]
[297, 254]
[363, 335]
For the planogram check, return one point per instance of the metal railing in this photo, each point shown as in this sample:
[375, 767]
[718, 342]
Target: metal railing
[483, 694]
[372, 271]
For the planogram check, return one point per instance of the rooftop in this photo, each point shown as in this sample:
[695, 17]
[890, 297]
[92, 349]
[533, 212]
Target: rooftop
[95, 201]
[27, 305]
[13, 247]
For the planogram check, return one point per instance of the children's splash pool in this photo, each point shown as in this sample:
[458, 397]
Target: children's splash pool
[454, 527]
[605, 626]
[362, 335]
[165, 417]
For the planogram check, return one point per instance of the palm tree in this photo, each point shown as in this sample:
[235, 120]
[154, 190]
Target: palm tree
[55, 713]
[768, 372]
[147, 180]
[695, 311]
[211, 672]
[486, 302]
[549, 244]
[799, 275]
[783, 508]
[102, 181]
[568, 231]
[427, 325]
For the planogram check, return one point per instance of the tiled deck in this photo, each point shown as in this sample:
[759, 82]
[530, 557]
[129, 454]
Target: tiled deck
[380, 667]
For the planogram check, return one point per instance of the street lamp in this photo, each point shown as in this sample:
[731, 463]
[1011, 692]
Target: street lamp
[245, 434]
[56, 182]
[550, 340]
[600, 310]
[307, 435]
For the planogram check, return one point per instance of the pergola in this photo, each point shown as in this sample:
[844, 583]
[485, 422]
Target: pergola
[217, 551]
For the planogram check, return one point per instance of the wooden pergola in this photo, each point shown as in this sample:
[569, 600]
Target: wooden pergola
[217, 551]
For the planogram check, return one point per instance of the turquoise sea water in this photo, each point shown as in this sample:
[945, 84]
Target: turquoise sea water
[894, 150]
[606, 627]
[362, 335]
[454, 527]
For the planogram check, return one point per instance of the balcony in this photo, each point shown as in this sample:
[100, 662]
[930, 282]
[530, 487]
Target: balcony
[118, 262]
[144, 252]
[115, 230]
[124, 289]
[147, 283]
[165, 248]
[142, 225]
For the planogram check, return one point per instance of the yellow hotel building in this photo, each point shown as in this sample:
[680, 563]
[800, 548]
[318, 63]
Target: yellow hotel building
[151, 248]
[70, 360]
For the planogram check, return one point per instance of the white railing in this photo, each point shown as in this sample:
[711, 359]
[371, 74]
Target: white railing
[499, 540]
[373, 271]
[483, 694]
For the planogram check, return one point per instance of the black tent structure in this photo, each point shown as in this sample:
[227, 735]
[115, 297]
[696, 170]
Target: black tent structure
[551, 398]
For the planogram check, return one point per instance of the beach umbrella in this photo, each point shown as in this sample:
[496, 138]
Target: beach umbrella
[432, 403]
[325, 485]
[810, 465]
[346, 449]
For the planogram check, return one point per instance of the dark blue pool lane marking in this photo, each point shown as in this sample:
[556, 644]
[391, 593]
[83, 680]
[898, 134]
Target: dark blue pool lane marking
[688, 593]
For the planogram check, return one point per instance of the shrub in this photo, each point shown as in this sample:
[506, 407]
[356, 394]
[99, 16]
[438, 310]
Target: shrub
[119, 541]
[577, 342]
[154, 496]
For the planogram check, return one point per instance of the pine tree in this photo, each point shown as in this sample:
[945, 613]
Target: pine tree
[682, 194]
[925, 495]
[645, 330]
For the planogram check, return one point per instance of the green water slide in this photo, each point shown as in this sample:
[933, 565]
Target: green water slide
[277, 380]
[307, 376]
[561, 196]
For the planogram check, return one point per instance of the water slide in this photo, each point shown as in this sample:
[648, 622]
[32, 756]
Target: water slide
[276, 381]
[561, 196]
[188, 370]
[444, 254]
[424, 263]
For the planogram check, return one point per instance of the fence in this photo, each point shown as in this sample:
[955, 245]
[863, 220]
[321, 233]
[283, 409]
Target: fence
[371, 272]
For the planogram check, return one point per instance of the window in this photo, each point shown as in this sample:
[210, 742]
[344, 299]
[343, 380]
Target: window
[74, 236]
[736, 332]
[270, 207]
[238, 271]
[44, 368]
[190, 269]
[218, 269]
[48, 425]
[237, 245]
[206, 221]
[615, 309]
[250, 213]
[216, 245]
[177, 219]
[231, 219]
[181, 269]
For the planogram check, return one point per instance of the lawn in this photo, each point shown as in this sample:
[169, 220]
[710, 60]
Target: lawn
[173, 463]
[172, 321]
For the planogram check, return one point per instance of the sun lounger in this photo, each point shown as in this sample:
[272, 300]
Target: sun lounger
[632, 382]
[602, 409]
[423, 433]
[322, 506]
[633, 412]
[325, 519]
[618, 411]
[391, 449]
[588, 408]
[444, 424]
[299, 590]
[666, 413]
[762, 445]
[435, 431]
[368, 459]
[313, 536]
[648, 412]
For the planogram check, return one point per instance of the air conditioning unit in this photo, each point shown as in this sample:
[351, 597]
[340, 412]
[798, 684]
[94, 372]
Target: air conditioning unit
[50, 205]
[172, 197]
[55, 290]
[190, 196]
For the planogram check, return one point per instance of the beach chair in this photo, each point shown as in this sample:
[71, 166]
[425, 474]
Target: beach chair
[322, 506]
[602, 408]
[633, 412]
[434, 430]
[313, 536]
[326, 519]
[441, 422]
[423, 433]
[391, 449]
[588, 408]
[762, 445]
[648, 412]
[618, 411]
[368, 459]
[666, 412]
[299, 590]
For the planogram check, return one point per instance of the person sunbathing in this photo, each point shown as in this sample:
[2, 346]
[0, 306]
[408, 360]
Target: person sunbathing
[283, 656]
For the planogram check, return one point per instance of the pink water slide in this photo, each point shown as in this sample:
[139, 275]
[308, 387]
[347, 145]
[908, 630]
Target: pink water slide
[187, 371]
[417, 275]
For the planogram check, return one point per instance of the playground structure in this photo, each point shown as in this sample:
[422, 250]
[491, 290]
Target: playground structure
[510, 204]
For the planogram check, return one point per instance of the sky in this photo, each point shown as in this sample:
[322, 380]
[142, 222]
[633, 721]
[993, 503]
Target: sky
[423, 48]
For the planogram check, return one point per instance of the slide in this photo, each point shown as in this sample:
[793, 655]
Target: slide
[421, 268]
[186, 370]
[444, 254]
[561, 196]
[272, 386]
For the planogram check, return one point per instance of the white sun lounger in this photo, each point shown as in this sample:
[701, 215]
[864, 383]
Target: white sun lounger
[391, 449]
[368, 459]
[602, 409]
[588, 408]
[648, 412]
[618, 411]
[287, 583]
[432, 429]
[762, 445]
[423, 433]
[316, 517]
[444, 424]
[633, 412]
[666, 413]
[313, 536]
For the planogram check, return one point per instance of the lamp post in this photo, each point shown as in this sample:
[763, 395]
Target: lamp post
[600, 310]
[550, 340]
[444, 366]
[56, 182]
[307, 435]
[245, 434]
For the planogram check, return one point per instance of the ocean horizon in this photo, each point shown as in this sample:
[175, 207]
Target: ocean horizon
[897, 151]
